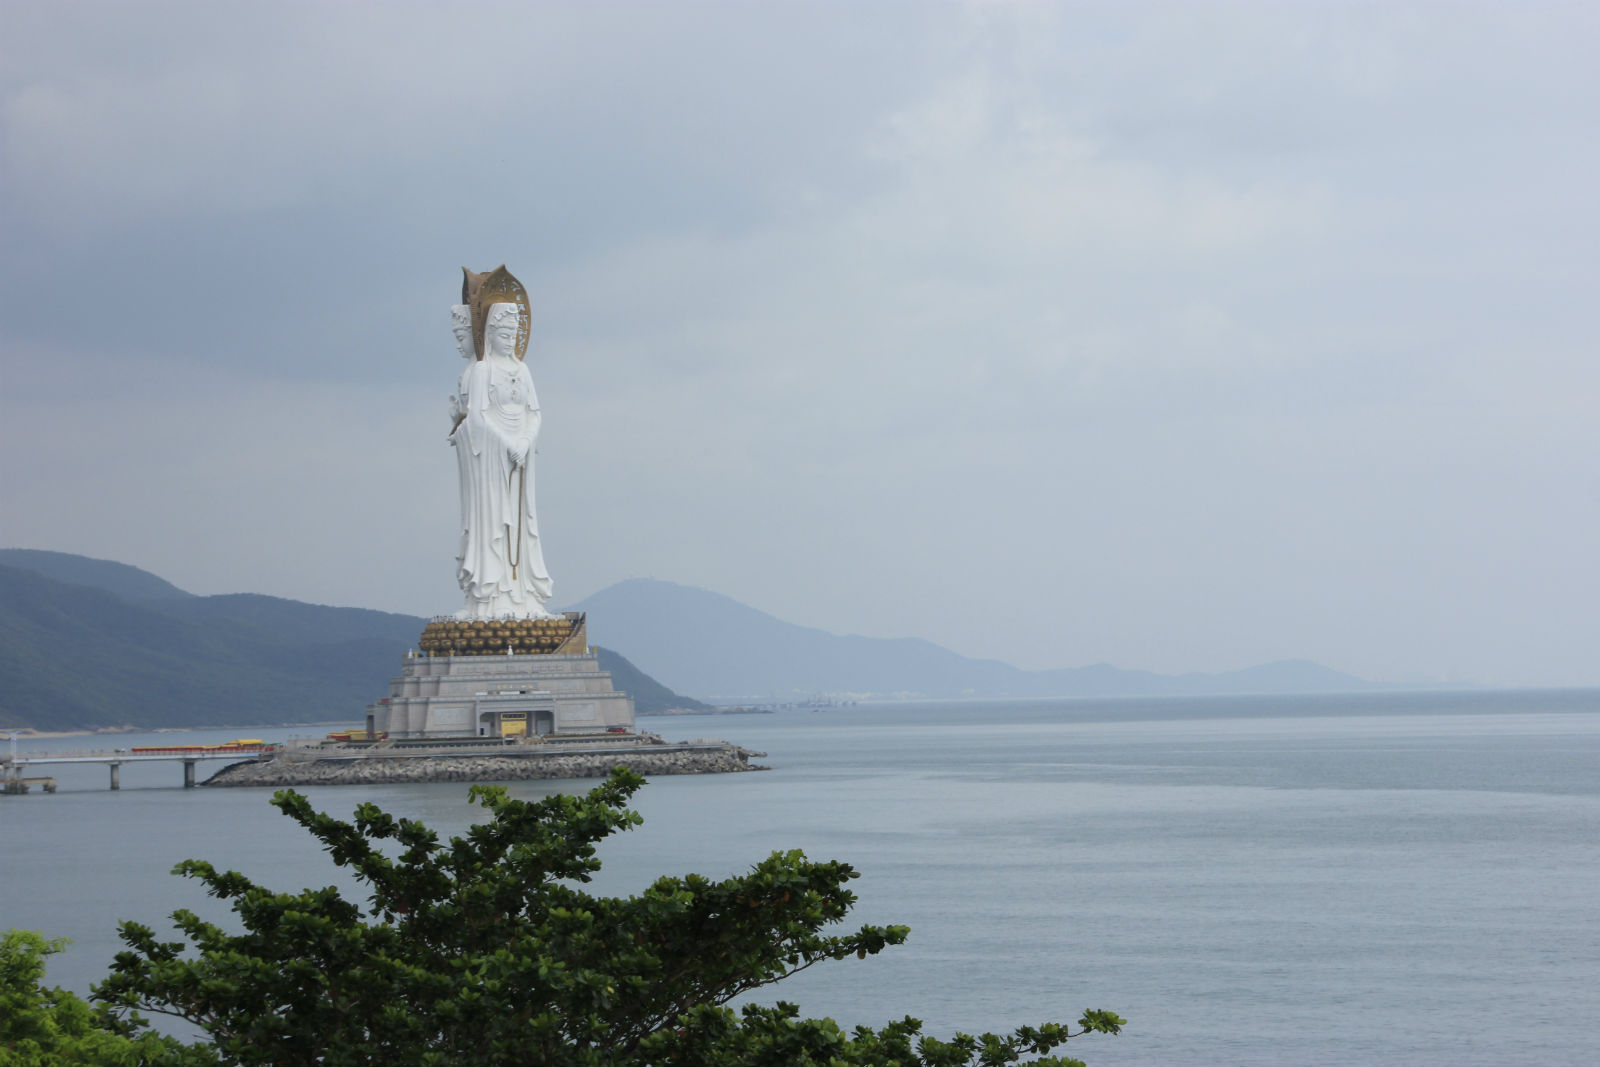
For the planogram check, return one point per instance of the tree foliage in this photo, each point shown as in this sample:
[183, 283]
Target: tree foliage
[485, 950]
[42, 1026]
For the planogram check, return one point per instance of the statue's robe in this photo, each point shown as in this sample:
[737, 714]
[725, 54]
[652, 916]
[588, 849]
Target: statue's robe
[499, 563]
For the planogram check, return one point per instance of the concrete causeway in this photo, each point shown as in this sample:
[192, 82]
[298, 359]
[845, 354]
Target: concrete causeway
[13, 782]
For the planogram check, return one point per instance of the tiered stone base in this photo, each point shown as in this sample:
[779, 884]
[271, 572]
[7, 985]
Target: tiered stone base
[491, 637]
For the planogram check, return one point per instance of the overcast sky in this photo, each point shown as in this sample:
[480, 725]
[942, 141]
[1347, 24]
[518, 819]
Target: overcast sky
[1181, 337]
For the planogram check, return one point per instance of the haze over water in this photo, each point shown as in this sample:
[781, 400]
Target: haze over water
[1380, 879]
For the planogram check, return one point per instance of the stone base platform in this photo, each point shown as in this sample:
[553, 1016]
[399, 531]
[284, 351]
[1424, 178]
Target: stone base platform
[502, 678]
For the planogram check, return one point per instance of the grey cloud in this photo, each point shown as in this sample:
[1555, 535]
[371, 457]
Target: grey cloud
[1183, 338]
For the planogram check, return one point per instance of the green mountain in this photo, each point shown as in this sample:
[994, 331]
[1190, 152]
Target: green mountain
[124, 581]
[116, 646]
[74, 657]
[91, 643]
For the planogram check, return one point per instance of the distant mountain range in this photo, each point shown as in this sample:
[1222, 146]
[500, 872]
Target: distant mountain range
[88, 644]
[705, 643]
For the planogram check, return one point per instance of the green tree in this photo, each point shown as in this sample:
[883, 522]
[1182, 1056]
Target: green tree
[483, 950]
[44, 1026]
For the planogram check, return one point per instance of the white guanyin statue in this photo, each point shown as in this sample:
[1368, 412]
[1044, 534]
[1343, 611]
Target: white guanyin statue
[496, 413]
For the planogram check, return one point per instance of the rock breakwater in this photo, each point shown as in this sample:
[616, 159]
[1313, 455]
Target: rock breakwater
[380, 770]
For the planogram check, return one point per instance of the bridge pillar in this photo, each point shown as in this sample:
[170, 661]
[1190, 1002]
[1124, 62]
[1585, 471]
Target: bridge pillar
[116, 776]
[188, 774]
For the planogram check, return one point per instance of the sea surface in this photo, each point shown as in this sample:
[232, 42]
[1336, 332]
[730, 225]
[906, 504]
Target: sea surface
[1382, 879]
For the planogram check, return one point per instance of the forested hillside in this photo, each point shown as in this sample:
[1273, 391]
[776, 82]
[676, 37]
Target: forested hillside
[118, 646]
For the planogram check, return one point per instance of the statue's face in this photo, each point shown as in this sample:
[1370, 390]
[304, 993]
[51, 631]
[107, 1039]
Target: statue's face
[503, 335]
[461, 327]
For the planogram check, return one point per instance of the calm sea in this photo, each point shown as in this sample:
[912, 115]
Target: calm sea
[1397, 879]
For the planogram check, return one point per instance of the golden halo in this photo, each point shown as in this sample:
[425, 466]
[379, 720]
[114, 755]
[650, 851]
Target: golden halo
[482, 291]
